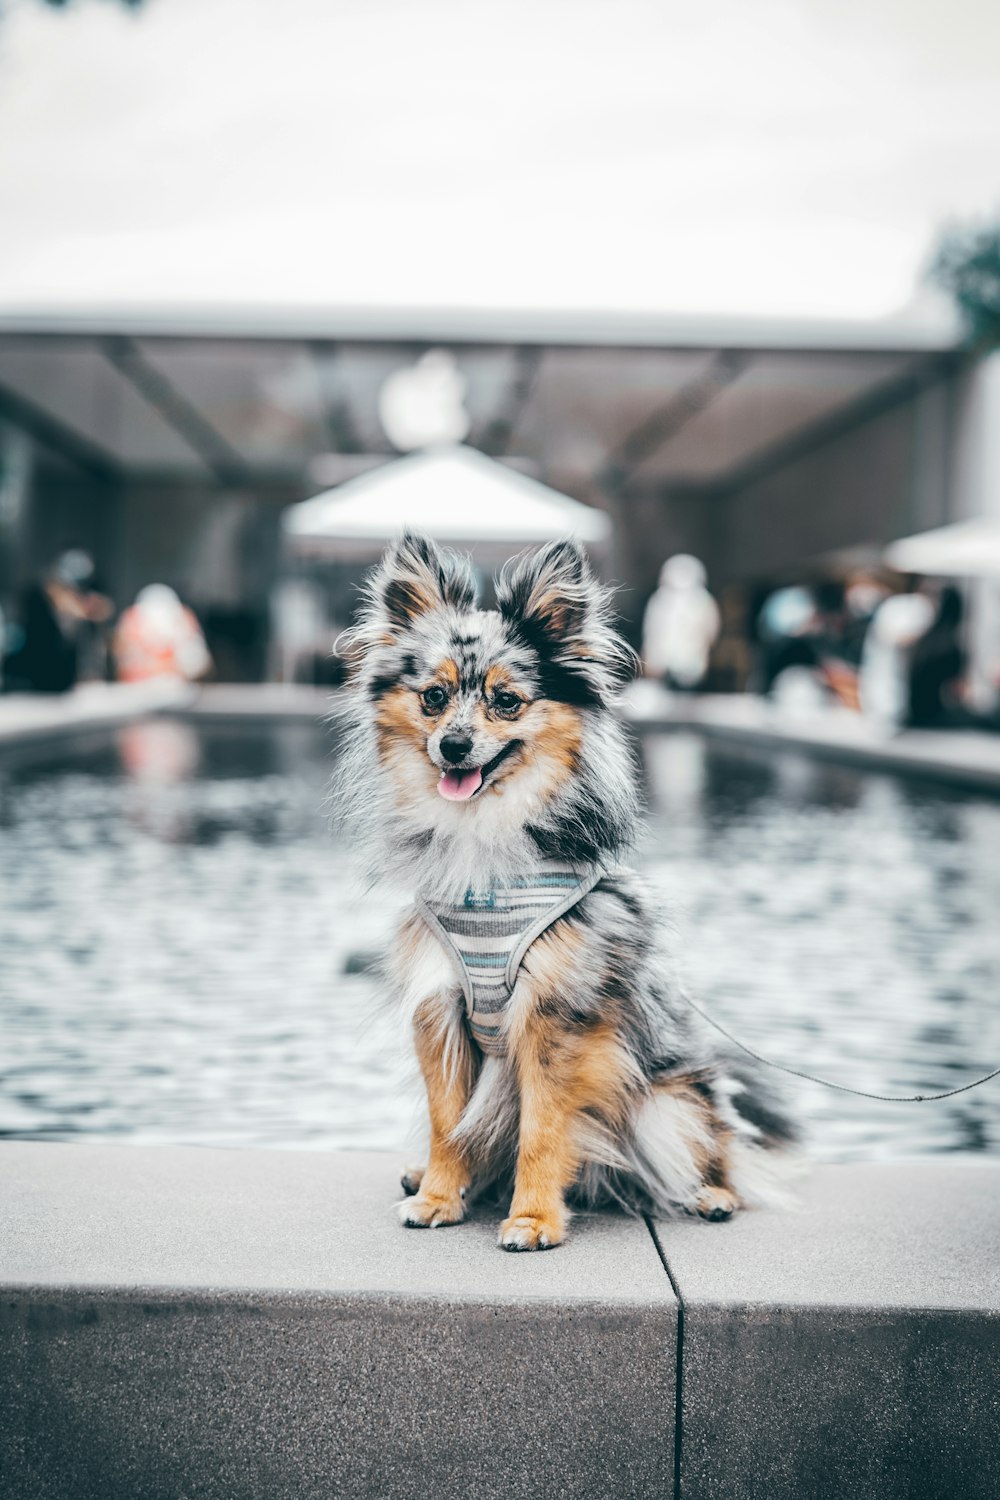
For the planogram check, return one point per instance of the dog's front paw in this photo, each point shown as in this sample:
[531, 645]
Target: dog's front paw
[530, 1233]
[431, 1211]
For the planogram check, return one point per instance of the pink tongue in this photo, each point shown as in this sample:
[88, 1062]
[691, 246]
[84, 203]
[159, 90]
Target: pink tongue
[458, 786]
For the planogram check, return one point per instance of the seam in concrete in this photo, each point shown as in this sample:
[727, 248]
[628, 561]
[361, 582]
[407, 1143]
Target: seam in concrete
[679, 1375]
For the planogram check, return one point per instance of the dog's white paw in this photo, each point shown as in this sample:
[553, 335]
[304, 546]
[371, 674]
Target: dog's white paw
[430, 1211]
[530, 1233]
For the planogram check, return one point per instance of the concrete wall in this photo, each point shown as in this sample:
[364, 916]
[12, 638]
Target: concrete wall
[865, 487]
[849, 1349]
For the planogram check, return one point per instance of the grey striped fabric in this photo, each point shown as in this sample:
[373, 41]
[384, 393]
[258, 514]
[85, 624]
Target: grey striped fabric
[490, 932]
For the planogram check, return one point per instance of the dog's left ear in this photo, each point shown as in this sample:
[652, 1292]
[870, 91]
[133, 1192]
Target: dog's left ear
[555, 603]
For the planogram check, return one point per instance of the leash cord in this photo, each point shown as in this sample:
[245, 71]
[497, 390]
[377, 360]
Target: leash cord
[843, 1087]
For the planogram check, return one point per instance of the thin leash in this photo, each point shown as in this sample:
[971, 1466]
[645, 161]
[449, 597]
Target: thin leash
[826, 1082]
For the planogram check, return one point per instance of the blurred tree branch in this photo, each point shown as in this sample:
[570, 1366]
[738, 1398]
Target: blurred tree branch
[967, 264]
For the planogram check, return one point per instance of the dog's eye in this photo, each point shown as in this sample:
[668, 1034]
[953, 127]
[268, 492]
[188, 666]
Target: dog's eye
[434, 699]
[507, 703]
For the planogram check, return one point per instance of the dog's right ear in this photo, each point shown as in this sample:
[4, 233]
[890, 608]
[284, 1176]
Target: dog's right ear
[413, 577]
[556, 605]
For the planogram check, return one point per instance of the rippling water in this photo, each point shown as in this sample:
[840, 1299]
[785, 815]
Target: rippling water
[183, 948]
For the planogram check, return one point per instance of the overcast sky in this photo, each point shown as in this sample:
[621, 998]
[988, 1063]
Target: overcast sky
[758, 157]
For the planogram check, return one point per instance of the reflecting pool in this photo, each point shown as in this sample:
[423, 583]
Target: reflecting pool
[184, 950]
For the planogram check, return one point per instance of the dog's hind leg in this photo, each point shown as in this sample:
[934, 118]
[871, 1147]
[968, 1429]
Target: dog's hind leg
[717, 1198]
[686, 1148]
[449, 1065]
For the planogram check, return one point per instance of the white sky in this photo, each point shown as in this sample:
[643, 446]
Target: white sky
[757, 157]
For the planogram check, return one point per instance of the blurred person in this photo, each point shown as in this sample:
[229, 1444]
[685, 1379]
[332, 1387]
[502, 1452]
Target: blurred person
[158, 637]
[831, 614]
[817, 635]
[786, 626]
[897, 625]
[937, 668]
[58, 618]
[862, 598]
[838, 648]
[680, 624]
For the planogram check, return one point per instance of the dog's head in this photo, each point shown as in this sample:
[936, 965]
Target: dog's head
[478, 708]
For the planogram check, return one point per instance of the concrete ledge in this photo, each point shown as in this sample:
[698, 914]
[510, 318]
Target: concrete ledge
[26, 717]
[95, 705]
[261, 700]
[256, 1324]
[184, 1322]
[850, 1348]
[961, 757]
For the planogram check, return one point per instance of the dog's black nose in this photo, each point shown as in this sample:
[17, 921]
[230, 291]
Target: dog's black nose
[455, 747]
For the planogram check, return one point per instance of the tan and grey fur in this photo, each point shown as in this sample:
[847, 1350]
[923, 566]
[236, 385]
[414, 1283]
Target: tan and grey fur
[608, 1090]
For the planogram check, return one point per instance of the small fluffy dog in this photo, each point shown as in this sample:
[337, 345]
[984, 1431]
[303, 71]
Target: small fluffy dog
[486, 768]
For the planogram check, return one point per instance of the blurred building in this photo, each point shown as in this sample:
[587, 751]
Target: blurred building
[169, 447]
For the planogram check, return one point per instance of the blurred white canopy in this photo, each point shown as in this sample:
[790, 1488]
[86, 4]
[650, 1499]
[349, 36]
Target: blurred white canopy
[966, 549]
[456, 495]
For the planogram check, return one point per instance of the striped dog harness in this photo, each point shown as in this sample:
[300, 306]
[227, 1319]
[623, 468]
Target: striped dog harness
[489, 932]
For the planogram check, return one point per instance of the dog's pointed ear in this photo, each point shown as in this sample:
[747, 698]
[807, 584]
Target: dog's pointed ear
[414, 577]
[545, 591]
[554, 602]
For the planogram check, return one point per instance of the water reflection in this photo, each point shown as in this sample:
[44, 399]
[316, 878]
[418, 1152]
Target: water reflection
[179, 940]
[844, 923]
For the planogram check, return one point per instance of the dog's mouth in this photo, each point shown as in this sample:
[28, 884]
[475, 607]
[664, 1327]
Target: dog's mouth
[459, 786]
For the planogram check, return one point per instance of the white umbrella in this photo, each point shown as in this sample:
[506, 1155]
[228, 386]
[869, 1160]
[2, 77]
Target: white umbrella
[455, 494]
[966, 549]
